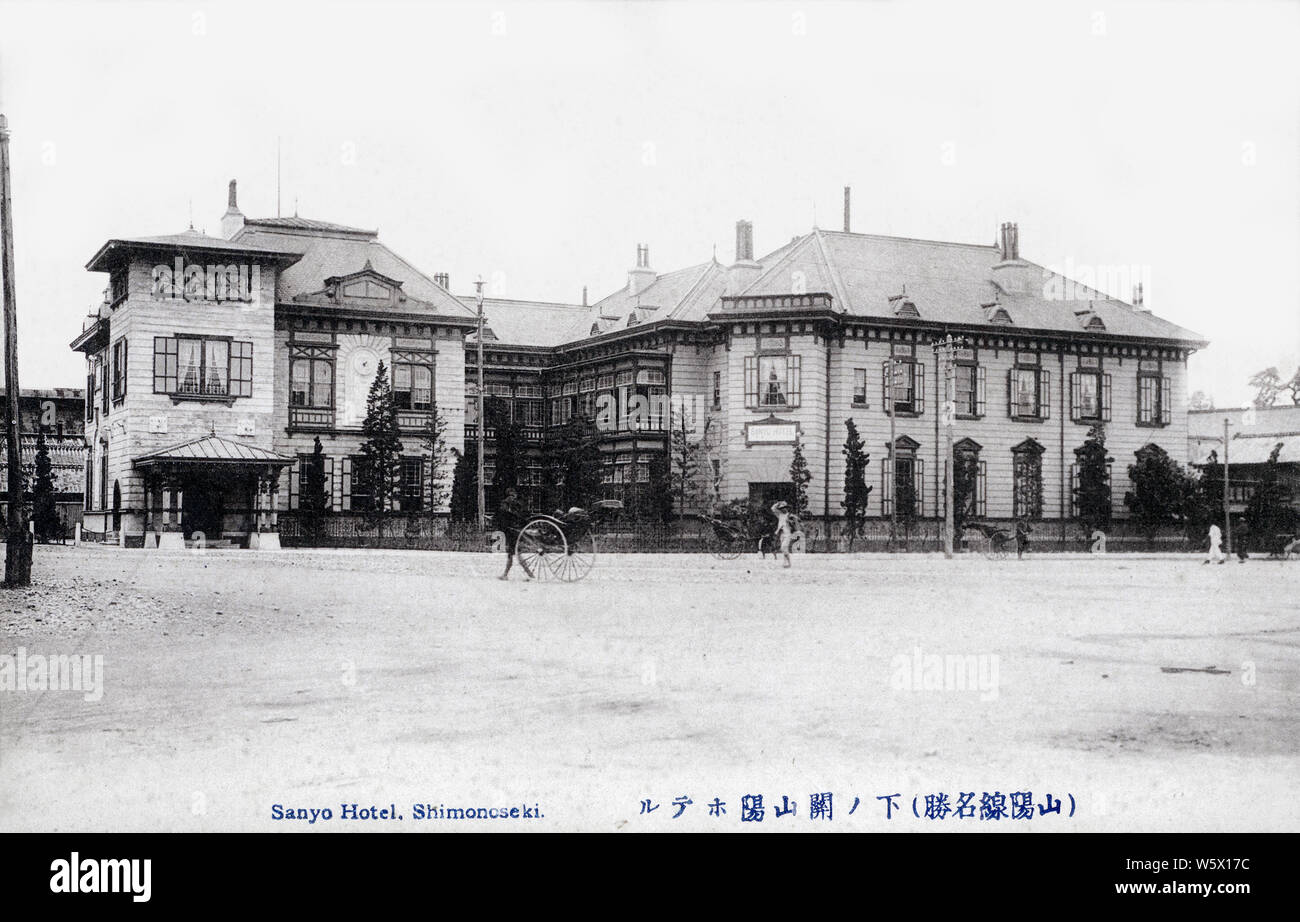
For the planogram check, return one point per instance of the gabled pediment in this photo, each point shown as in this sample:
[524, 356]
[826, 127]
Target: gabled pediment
[967, 444]
[364, 288]
[1029, 445]
[905, 443]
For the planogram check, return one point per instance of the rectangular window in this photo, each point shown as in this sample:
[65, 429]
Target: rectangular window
[903, 379]
[412, 484]
[717, 390]
[299, 477]
[907, 501]
[969, 382]
[241, 369]
[166, 368]
[361, 494]
[772, 381]
[859, 387]
[311, 383]
[1154, 400]
[1029, 392]
[119, 369]
[202, 367]
[412, 386]
[1027, 484]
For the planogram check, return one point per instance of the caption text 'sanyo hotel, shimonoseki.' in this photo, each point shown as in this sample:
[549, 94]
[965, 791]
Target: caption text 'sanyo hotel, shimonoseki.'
[215, 362]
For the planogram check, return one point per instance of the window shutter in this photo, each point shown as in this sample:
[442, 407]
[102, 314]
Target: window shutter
[886, 488]
[1011, 395]
[1105, 398]
[347, 483]
[918, 387]
[90, 397]
[751, 381]
[107, 377]
[792, 368]
[1044, 394]
[981, 391]
[295, 476]
[918, 486]
[885, 395]
[982, 489]
[1075, 410]
[1166, 394]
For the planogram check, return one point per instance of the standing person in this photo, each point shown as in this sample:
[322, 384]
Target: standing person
[784, 531]
[1022, 538]
[509, 518]
[1242, 532]
[1216, 546]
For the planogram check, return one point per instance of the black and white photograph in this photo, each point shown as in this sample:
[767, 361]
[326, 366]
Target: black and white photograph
[651, 417]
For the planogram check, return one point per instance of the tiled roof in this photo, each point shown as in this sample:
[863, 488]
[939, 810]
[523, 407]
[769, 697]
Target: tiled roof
[1255, 449]
[326, 254]
[948, 282]
[297, 223]
[529, 323]
[1277, 420]
[214, 448]
[192, 239]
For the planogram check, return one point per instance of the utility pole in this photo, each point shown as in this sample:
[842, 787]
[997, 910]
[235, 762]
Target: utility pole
[482, 420]
[946, 349]
[18, 552]
[1227, 515]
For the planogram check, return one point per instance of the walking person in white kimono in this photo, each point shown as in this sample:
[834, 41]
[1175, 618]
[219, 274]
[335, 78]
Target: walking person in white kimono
[1216, 546]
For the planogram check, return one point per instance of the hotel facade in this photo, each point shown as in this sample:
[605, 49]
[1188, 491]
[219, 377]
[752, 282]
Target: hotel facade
[216, 362]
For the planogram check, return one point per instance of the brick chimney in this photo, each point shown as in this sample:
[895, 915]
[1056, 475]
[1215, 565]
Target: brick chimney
[232, 222]
[1012, 274]
[742, 273]
[641, 277]
[442, 280]
[1139, 303]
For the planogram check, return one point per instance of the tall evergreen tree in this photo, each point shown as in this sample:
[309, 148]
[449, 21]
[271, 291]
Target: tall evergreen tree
[379, 471]
[313, 494]
[437, 455]
[965, 481]
[464, 485]
[799, 477]
[1092, 497]
[45, 513]
[856, 491]
[1158, 490]
[684, 448]
[508, 442]
[1268, 511]
[574, 459]
[1268, 385]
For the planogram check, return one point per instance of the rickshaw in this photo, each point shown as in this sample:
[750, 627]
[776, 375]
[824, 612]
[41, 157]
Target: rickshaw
[997, 541]
[562, 546]
[731, 540]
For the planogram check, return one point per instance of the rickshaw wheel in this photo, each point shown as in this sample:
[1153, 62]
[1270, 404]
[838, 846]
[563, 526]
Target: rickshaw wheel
[728, 548]
[541, 543]
[577, 561]
[997, 547]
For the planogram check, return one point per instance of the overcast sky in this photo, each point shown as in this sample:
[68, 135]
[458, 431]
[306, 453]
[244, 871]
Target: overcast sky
[537, 144]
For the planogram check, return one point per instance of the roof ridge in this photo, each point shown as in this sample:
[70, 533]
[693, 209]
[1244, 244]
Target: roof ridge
[925, 240]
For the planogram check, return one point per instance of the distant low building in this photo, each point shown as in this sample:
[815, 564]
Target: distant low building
[1252, 435]
[58, 412]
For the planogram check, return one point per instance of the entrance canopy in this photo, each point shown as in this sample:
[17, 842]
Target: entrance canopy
[213, 449]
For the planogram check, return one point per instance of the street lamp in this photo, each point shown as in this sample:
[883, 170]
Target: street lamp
[482, 421]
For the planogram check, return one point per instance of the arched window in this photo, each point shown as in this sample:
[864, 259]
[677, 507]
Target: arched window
[1027, 480]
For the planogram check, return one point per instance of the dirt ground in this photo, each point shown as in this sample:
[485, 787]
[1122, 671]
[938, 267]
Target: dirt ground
[235, 681]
